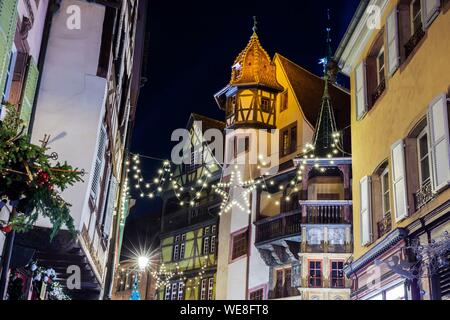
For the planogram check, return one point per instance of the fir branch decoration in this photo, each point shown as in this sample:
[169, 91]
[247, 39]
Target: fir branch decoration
[31, 181]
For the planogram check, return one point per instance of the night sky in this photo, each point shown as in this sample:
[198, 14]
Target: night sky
[192, 46]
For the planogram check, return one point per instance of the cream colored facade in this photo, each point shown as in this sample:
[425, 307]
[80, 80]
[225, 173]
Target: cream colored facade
[387, 123]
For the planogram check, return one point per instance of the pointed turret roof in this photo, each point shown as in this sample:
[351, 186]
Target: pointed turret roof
[324, 140]
[253, 66]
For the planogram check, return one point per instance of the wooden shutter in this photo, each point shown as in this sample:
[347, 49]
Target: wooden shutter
[439, 142]
[398, 177]
[392, 42]
[430, 10]
[365, 211]
[8, 18]
[29, 92]
[361, 90]
[110, 207]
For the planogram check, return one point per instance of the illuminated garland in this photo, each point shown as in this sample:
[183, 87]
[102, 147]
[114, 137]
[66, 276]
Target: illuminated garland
[165, 174]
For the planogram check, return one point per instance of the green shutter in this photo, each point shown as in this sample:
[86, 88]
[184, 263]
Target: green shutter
[29, 93]
[8, 20]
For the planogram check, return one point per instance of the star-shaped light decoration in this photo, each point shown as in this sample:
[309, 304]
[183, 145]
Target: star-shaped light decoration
[236, 182]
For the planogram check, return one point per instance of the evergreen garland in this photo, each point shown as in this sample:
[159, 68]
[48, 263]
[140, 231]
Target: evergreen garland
[31, 181]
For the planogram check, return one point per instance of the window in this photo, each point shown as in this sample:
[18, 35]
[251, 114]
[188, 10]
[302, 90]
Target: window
[385, 193]
[380, 67]
[415, 16]
[203, 289]
[266, 105]
[337, 274]
[210, 288]
[168, 292]
[10, 73]
[209, 240]
[174, 291]
[394, 293]
[315, 274]
[206, 245]
[238, 145]
[213, 244]
[288, 140]
[284, 101]
[257, 295]
[181, 291]
[179, 247]
[239, 245]
[424, 158]
[207, 289]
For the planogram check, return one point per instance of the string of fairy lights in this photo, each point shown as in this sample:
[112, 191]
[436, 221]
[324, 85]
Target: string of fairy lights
[165, 178]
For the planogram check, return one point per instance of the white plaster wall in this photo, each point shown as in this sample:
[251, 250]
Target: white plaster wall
[34, 38]
[71, 98]
[237, 284]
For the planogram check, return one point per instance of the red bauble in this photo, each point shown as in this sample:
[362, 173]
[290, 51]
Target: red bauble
[42, 177]
[6, 229]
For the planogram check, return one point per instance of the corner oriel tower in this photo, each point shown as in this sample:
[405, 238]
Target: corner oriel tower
[249, 100]
[250, 105]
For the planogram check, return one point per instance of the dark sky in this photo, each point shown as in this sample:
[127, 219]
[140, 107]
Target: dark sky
[192, 48]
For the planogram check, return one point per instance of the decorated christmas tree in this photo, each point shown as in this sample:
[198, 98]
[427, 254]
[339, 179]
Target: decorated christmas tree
[135, 290]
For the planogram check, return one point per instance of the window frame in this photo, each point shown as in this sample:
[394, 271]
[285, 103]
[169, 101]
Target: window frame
[385, 190]
[236, 255]
[422, 134]
[315, 278]
[284, 101]
[412, 18]
[340, 278]
[381, 68]
[10, 73]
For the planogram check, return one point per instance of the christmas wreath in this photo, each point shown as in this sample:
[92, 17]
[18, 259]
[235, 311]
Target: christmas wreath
[31, 180]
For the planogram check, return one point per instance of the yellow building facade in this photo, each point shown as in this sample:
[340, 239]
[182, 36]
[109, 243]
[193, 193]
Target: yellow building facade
[396, 54]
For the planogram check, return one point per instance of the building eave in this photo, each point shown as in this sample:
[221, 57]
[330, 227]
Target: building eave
[357, 35]
[377, 250]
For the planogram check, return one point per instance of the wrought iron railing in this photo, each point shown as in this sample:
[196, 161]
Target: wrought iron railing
[379, 91]
[384, 225]
[423, 195]
[414, 41]
[283, 225]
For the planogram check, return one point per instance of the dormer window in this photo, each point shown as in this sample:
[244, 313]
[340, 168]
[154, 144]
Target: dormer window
[237, 69]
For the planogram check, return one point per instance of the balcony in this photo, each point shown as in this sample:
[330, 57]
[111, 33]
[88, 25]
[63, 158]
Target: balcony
[278, 238]
[414, 41]
[283, 292]
[384, 226]
[326, 212]
[423, 195]
[378, 91]
[285, 225]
